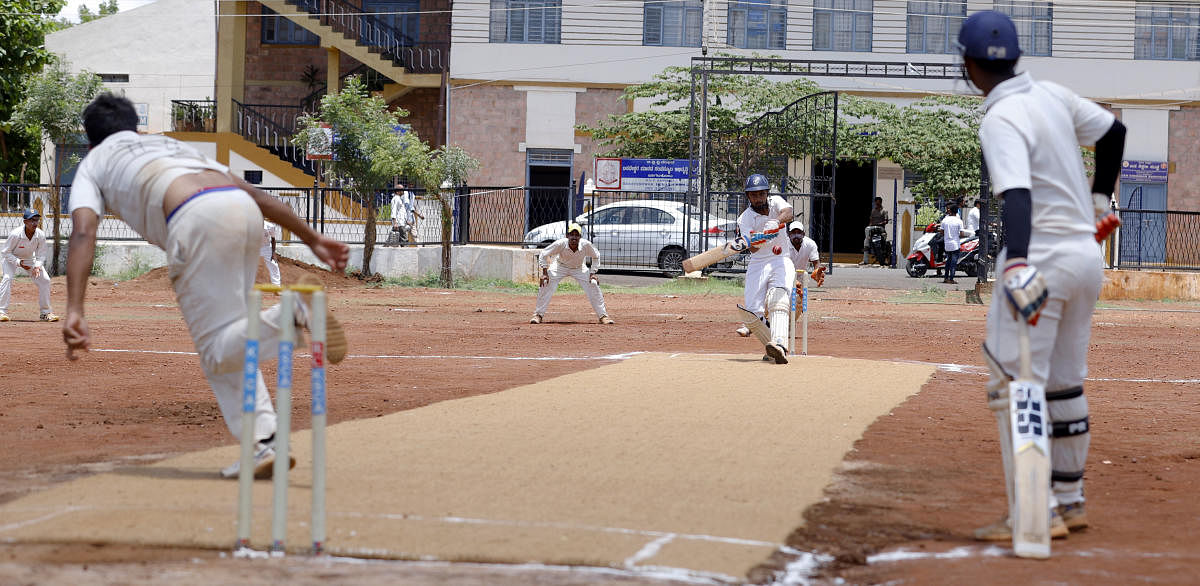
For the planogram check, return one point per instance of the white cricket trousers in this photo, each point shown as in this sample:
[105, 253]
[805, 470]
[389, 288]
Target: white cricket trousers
[1058, 344]
[583, 276]
[272, 264]
[765, 273]
[212, 256]
[42, 281]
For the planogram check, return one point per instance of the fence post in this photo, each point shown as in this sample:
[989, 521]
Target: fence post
[464, 216]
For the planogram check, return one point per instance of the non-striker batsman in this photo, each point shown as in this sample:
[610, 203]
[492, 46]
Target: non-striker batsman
[1031, 133]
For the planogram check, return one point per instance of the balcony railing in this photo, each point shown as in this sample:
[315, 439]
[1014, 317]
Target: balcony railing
[271, 127]
[403, 50]
[193, 115]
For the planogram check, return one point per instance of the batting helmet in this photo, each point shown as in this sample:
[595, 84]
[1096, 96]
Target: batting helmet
[757, 182]
[989, 36]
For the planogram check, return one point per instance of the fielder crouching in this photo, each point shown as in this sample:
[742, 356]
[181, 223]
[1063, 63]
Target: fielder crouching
[770, 274]
[565, 258]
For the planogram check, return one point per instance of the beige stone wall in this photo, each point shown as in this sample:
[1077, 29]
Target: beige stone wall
[1183, 186]
[489, 122]
[590, 107]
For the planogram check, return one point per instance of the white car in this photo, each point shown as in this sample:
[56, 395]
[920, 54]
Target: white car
[641, 233]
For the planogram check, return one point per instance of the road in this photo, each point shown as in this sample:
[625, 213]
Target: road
[843, 275]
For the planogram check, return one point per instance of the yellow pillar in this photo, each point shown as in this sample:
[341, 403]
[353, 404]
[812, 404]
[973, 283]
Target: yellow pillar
[231, 61]
[333, 63]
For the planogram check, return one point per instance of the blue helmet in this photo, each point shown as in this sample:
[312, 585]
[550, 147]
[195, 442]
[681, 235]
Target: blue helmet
[989, 36]
[757, 182]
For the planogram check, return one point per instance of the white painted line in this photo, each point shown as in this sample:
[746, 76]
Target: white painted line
[983, 371]
[648, 551]
[904, 555]
[27, 523]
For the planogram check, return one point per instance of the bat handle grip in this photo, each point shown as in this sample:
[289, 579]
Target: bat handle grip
[1023, 347]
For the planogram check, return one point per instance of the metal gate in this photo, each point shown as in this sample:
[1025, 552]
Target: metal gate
[796, 148]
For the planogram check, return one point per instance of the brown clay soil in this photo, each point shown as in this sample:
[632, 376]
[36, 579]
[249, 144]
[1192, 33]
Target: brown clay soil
[918, 481]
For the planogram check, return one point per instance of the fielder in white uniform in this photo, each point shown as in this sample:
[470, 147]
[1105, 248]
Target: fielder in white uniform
[25, 249]
[210, 223]
[1031, 133]
[565, 258]
[770, 275]
[271, 235]
[804, 253]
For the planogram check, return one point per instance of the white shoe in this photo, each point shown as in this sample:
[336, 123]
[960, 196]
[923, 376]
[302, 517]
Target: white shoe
[4, 317]
[264, 464]
[743, 331]
[777, 353]
[335, 336]
[48, 317]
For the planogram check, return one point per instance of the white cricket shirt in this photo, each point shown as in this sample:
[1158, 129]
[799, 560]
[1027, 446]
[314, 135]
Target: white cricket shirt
[752, 221]
[560, 251]
[1031, 135]
[806, 255]
[18, 248]
[111, 175]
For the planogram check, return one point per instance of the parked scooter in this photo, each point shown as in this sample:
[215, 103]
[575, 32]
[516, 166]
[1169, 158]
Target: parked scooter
[878, 246]
[922, 258]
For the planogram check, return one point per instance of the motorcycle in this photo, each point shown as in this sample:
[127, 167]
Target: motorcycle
[921, 259]
[878, 246]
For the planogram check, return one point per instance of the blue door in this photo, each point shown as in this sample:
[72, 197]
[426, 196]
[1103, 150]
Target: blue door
[401, 18]
[1143, 233]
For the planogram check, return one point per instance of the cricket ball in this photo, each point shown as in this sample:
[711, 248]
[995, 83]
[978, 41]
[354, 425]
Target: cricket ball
[777, 250]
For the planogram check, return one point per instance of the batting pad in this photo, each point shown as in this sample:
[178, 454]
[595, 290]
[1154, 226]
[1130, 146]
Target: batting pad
[702, 463]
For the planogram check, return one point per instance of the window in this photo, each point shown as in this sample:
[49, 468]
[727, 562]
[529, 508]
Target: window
[1166, 31]
[1033, 20]
[114, 77]
[401, 18]
[757, 24]
[277, 30]
[933, 26]
[673, 23]
[842, 25]
[526, 21]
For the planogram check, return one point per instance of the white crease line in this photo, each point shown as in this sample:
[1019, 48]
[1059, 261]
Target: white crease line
[144, 351]
[905, 555]
[983, 371]
[648, 551]
[27, 523]
[623, 356]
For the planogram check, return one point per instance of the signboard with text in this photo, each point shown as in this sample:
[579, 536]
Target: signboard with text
[644, 175]
[1144, 171]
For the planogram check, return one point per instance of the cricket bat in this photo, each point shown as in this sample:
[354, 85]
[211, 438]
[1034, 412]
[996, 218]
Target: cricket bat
[1030, 514]
[715, 255]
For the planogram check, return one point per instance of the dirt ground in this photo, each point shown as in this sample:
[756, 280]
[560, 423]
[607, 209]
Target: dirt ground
[917, 483]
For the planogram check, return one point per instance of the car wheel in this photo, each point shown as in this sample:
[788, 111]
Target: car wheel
[670, 260]
[916, 268]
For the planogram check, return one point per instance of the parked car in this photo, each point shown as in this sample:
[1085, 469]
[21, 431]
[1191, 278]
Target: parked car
[641, 233]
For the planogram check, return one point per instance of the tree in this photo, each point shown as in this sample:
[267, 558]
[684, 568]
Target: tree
[105, 9]
[935, 137]
[52, 111]
[448, 168]
[23, 27]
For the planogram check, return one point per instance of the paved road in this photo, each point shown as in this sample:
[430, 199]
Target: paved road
[842, 276]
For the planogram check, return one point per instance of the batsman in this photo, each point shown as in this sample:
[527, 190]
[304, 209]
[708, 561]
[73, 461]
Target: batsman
[1039, 323]
[770, 275]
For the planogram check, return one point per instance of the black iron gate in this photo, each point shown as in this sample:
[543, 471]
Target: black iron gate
[796, 149]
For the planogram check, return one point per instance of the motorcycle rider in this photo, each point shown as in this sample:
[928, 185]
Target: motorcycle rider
[879, 218]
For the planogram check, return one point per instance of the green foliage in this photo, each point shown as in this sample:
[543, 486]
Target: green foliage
[97, 254]
[935, 137]
[22, 52]
[928, 213]
[137, 268]
[54, 101]
[105, 9]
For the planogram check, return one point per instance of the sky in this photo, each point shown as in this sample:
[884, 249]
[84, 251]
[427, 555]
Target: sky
[71, 11]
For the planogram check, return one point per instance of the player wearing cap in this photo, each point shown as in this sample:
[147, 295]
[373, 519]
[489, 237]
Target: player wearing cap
[770, 274]
[1031, 132]
[565, 258]
[25, 250]
[804, 252]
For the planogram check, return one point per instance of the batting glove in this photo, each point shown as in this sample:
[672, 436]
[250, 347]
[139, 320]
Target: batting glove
[1106, 220]
[1025, 290]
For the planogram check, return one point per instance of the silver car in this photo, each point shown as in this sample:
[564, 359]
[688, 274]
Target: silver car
[641, 233]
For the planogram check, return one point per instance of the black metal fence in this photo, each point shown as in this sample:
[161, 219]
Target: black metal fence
[1156, 239]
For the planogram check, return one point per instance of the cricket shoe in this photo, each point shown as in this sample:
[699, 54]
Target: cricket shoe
[1002, 530]
[1073, 515]
[335, 336]
[604, 319]
[264, 463]
[743, 331]
[48, 317]
[536, 319]
[4, 317]
[777, 353]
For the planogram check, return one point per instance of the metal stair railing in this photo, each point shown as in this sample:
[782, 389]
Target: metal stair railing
[259, 127]
[368, 31]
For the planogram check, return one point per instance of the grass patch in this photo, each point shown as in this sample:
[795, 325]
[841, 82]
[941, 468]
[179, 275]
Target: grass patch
[927, 294]
[139, 267]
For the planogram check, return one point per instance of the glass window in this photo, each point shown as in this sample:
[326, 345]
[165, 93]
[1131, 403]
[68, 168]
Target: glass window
[757, 24]
[1166, 31]
[1034, 24]
[842, 25]
[526, 21]
[933, 25]
[672, 23]
[400, 18]
[277, 30]
[609, 217]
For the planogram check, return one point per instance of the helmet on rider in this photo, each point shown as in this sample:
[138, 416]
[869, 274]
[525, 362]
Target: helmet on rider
[757, 182]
